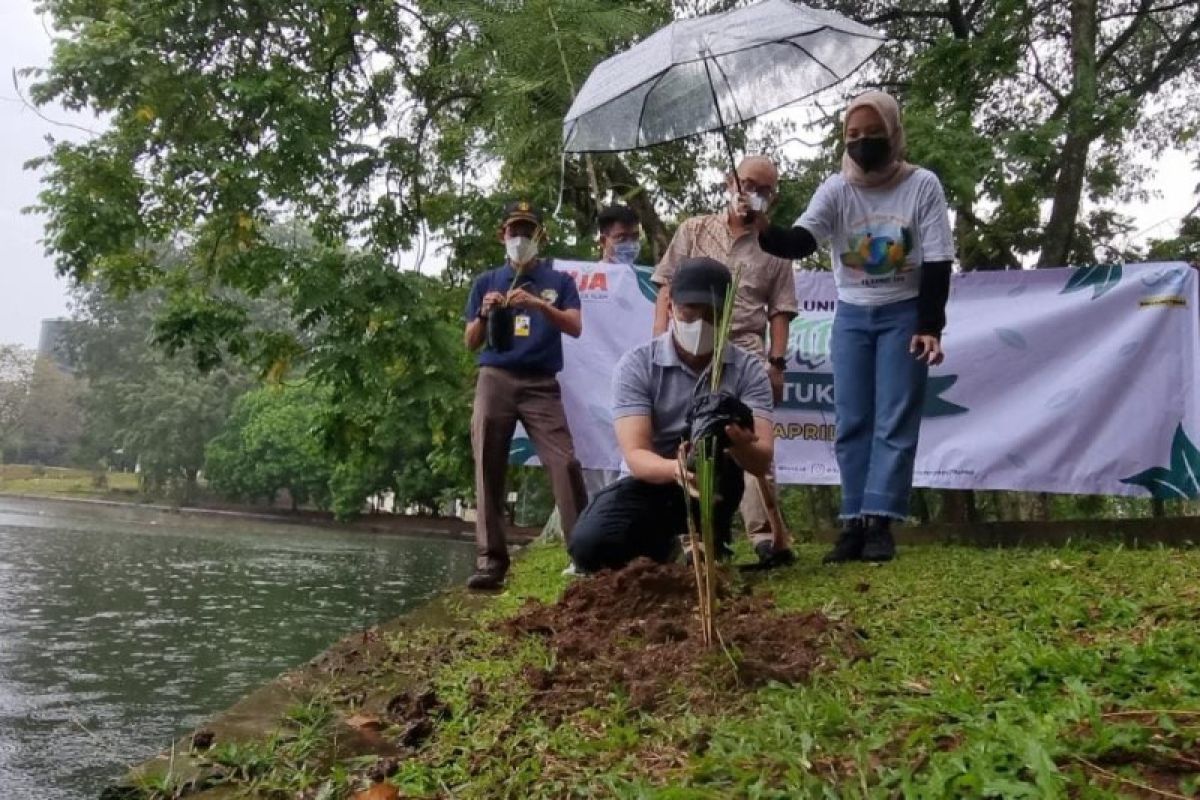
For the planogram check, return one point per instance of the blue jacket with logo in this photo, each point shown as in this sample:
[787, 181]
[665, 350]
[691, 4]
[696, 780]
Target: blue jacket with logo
[536, 348]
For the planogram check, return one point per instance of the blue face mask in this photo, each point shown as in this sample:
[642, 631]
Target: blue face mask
[626, 252]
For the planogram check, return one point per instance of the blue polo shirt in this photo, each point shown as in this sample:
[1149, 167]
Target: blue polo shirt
[537, 347]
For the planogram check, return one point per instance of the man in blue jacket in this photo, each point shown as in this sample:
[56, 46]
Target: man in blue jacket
[518, 365]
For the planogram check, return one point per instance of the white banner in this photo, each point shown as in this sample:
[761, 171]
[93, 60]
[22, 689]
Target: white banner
[1074, 381]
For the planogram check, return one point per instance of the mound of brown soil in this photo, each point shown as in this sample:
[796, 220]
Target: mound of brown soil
[637, 631]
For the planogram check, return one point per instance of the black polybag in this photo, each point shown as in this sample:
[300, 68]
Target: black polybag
[711, 412]
[500, 329]
[501, 323]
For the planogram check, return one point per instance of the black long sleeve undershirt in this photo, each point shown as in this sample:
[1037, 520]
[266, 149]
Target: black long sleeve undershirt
[797, 242]
[932, 297]
[793, 243]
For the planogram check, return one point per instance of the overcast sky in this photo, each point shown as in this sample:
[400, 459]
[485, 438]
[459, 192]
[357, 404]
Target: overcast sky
[29, 291]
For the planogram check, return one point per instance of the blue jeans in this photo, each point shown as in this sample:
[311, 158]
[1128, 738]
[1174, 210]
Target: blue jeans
[878, 389]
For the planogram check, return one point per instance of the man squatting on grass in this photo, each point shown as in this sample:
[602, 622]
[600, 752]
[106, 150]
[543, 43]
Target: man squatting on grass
[654, 386]
[764, 302]
[517, 381]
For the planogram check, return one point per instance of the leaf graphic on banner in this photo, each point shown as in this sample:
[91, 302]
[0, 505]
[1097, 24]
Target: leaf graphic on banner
[1129, 349]
[600, 415]
[1181, 480]
[1012, 338]
[520, 451]
[1101, 279]
[935, 404]
[648, 288]
[1063, 399]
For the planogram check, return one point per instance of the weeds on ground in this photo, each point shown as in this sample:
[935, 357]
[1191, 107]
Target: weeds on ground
[1003, 673]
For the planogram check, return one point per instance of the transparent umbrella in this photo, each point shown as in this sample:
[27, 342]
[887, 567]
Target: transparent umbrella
[708, 73]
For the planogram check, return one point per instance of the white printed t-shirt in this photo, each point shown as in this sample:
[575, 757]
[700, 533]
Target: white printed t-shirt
[880, 237]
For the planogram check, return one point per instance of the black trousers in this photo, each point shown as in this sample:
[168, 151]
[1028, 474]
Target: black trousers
[632, 518]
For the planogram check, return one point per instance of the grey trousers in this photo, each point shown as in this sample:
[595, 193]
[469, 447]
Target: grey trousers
[502, 398]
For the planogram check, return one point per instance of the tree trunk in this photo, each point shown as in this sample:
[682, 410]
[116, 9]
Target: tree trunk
[920, 506]
[1081, 131]
[958, 505]
[1041, 506]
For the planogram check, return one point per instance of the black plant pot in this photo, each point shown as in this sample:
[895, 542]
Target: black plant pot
[500, 327]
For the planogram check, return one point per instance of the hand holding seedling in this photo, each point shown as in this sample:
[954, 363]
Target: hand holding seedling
[519, 298]
[741, 441]
[490, 301]
[683, 476]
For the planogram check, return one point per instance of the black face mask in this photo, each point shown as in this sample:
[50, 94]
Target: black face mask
[870, 153]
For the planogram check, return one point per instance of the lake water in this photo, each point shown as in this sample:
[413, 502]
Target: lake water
[120, 631]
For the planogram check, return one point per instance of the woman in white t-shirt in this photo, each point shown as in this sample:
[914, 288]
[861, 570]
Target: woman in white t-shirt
[888, 229]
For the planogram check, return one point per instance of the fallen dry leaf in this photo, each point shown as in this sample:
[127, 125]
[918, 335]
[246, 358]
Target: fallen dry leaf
[364, 722]
[380, 791]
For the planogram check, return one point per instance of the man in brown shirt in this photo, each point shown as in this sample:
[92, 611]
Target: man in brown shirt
[765, 300]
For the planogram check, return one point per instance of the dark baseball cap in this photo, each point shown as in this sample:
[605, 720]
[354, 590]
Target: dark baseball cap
[700, 281]
[521, 211]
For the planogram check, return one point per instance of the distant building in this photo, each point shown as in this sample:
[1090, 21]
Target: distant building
[53, 344]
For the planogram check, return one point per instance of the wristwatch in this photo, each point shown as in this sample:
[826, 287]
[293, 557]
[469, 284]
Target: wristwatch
[778, 362]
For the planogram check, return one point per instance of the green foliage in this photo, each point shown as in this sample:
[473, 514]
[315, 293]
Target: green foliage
[50, 428]
[143, 408]
[16, 374]
[1184, 247]
[389, 352]
[271, 442]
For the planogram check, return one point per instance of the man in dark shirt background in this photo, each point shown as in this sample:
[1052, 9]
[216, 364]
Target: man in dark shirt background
[519, 383]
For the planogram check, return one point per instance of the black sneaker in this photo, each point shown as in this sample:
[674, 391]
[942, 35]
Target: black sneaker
[849, 544]
[879, 545]
[486, 580]
[769, 557]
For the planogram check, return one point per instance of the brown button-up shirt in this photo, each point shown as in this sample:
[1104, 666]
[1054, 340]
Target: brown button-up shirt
[766, 283]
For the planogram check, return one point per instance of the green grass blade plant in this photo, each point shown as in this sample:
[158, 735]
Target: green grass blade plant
[706, 483]
[724, 325]
[706, 476]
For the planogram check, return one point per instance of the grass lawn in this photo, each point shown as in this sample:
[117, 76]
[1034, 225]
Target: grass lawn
[988, 673]
[63, 481]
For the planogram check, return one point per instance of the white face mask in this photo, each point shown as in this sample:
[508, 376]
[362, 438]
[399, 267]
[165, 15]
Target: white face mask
[757, 202]
[520, 249]
[697, 338]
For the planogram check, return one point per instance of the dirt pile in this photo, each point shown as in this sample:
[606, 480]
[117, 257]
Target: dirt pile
[637, 631]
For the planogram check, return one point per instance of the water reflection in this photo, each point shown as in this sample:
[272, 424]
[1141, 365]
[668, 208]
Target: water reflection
[116, 635]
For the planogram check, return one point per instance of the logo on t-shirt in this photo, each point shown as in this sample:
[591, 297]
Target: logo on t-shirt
[879, 248]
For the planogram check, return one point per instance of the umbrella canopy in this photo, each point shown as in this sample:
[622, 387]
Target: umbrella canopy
[703, 74]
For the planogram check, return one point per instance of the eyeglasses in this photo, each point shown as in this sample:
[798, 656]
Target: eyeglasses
[749, 186]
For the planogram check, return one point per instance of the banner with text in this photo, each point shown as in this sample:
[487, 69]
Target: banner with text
[1072, 380]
